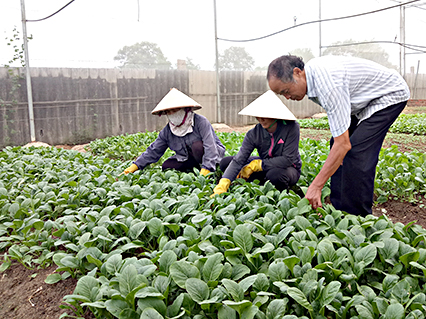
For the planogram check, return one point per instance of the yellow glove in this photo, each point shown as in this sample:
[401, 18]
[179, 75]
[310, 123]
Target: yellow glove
[222, 187]
[204, 171]
[250, 168]
[132, 168]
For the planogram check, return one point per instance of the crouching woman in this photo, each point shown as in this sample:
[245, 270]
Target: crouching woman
[189, 135]
[276, 139]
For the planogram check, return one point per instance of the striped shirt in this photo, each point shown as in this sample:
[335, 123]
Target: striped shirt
[346, 86]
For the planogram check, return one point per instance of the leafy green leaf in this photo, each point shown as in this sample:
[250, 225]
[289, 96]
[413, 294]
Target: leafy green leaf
[395, 311]
[116, 306]
[249, 312]
[167, 258]
[242, 238]
[155, 303]
[390, 248]
[148, 292]
[239, 271]
[197, 289]
[136, 229]
[366, 254]
[329, 292]
[327, 251]
[239, 306]
[85, 286]
[247, 282]
[127, 280]
[407, 258]
[53, 278]
[234, 289]
[155, 227]
[364, 312]
[277, 271]
[151, 313]
[299, 297]
[181, 271]
[113, 264]
[226, 312]
[213, 267]
[276, 309]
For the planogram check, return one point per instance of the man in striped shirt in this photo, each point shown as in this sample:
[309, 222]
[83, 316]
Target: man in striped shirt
[362, 100]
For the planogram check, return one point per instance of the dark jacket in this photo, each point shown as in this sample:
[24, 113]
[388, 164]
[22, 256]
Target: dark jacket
[202, 131]
[277, 150]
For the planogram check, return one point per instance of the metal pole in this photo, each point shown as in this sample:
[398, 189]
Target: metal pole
[28, 75]
[402, 70]
[403, 49]
[415, 80]
[319, 25]
[219, 117]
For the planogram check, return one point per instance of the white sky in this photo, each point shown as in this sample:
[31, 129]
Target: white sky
[89, 33]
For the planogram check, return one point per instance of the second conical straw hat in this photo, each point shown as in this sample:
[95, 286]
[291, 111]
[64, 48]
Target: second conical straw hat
[173, 100]
[268, 105]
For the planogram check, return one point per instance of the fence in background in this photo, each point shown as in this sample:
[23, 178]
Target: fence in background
[74, 106]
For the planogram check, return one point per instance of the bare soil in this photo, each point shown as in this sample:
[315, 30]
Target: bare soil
[25, 295]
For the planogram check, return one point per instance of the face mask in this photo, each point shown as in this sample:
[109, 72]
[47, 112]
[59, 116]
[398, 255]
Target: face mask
[176, 118]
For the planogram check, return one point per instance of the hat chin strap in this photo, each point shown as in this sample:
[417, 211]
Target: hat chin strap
[272, 124]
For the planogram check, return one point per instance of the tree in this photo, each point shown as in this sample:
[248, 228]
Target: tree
[305, 53]
[261, 68]
[236, 58]
[142, 55]
[369, 51]
[191, 65]
[15, 76]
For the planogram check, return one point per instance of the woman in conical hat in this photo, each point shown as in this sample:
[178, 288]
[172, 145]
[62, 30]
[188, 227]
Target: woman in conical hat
[189, 135]
[276, 139]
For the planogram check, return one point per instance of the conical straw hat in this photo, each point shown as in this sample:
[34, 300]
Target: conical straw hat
[268, 105]
[173, 100]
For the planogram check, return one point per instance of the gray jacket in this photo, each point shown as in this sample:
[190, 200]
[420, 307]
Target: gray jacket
[202, 131]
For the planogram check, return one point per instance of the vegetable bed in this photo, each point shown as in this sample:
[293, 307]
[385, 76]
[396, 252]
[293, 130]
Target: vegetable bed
[155, 245]
[405, 123]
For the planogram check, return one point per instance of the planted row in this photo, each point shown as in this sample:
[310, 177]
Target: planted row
[405, 123]
[129, 146]
[399, 175]
[154, 244]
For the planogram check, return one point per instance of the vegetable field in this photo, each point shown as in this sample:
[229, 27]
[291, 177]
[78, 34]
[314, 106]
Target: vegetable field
[406, 123]
[154, 244]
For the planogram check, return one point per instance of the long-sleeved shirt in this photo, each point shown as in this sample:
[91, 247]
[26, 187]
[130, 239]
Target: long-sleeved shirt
[202, 131]
[276, 150]
[346, 86]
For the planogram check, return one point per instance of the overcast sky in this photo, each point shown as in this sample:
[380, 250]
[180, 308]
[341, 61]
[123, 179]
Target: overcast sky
[89, 33]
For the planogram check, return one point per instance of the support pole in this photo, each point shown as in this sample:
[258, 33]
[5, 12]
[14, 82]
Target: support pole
[28, 75]
[402, 35]
[319, 26]
[219, 117]
[415, 80]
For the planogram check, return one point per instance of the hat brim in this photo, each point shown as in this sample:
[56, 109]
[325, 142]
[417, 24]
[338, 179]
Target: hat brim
[268, 105]
[175, 100]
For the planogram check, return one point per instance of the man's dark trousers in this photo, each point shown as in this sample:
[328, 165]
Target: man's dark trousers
[352, 185]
